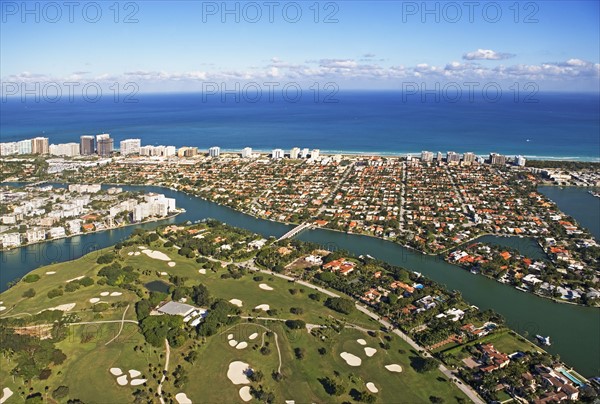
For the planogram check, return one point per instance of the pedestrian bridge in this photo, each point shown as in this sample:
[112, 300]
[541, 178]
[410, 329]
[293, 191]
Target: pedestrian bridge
[295, 231]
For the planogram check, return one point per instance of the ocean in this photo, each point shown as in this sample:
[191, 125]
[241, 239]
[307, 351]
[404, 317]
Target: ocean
[557, 126]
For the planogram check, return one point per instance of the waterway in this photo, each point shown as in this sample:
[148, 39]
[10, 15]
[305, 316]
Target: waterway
[575, 331]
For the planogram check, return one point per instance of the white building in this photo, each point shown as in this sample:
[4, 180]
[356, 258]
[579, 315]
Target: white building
[6, 149]
[294, 153]
[10, 240]
[426, 156]
[130, 146]
[277, 154]
[64, 149]
[304, 153]
[247, 152]
[156, 205]
[520, 161]
[24, 146]
[84, 188]
[315, 154]
[34, 235]
[57, 232]
[74, 226]
[214, 151]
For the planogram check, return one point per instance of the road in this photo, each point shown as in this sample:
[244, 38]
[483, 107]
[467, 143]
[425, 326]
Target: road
[159, 390]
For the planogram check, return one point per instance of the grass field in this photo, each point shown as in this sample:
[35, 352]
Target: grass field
[86, 371]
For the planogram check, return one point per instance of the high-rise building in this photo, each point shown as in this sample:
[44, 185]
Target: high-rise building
[86, 145]
[468, 158]
[64, 149]
[497, 159]
[24, 146]
[304, 153]
[247, 152]
[39, 145]
[294, 153]
[6, 149]
[214, 151]
[130, 146]
[438, 157]
[315, 154]
[520, 161]
[426, 156]
[104, 145]
[452, 157]
[187, 151]
[277, 154]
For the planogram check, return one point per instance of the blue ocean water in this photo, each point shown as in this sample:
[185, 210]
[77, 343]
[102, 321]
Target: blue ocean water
[559, 125]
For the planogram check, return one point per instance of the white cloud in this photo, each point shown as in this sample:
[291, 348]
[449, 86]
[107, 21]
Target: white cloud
[487, 54]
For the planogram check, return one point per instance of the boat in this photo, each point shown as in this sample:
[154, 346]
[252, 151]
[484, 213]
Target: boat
[543, 340]
[596, 194]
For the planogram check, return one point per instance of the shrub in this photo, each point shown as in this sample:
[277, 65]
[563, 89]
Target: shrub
[341, 305]
[105, 258]
[55, 293]
[72, 286]
[29, 293]
[87, 281]
[100, 307]
[31, 278]
[60, 392]
[295, 324]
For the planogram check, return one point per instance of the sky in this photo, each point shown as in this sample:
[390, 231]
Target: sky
[176, 46]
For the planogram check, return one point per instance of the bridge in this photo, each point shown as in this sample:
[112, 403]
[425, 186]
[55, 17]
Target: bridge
[295, 231]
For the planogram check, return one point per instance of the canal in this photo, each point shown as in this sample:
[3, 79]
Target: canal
[575, 331]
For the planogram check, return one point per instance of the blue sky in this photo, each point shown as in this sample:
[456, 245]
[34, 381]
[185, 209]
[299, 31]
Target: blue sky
[178, 45]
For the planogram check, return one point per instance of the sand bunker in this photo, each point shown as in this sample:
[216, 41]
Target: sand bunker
[264, 286]
[134, 373]
[182, 398]
[164, 274]
[137, 382]
[232, 342]
[236, 302]
[137, 253]
[63, 307]
[264, 307]
[122, 380]
[245, 393]
[2, 308]
[171, 264]
[237, 372]
[6, 393]
[157, 255]
[230, 336]
[241, 345]
[75, 279]
[290, 401]
[116, 294]
[141, 247]
[394, 368]
[351, 359]
[202, 271]
[371, 387]
[361, 341]
[94, 300]
[104, 294]
[130, 253]
[116, 371]
[253, 336]
[370, 351]
[50, 272]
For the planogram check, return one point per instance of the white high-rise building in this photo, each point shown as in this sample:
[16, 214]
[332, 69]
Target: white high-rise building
[304, 153]
[468, 158]
[24, 146]
[247, 152]
[520, 161]
[426, 156]
[214, 151]
[130, 146]
[277, 154]
[6, 149]
[294, 153]
[64, 149]
[315, 154]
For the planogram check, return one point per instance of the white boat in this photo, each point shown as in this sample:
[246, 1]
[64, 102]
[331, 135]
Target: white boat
[543, 340]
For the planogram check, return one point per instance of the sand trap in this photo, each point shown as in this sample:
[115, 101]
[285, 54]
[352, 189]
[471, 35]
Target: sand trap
[2, 308]
[253, 336]
[264, 307]
[63, 307]
[361, 341]
[290, 401]
[236, 302]
[116, 294]
[75, 279]
[94, 300]
[104, 294]
[137, 253]
[370, 351]
[394, 368]
[237, 372]
[134, 373]
[137, 382]
[164, 274]
[371, 387]
[6, 393]
[232, 342]
[122, 380]
[116, 371]
[50, 272]
[230, 336]
[182, 398]
[157, 255]
[171, 264]
[242, 345]
[264, 286]
[130, 253]
[202, 271]
[351, 359]
[245, 393]
[141, 247]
